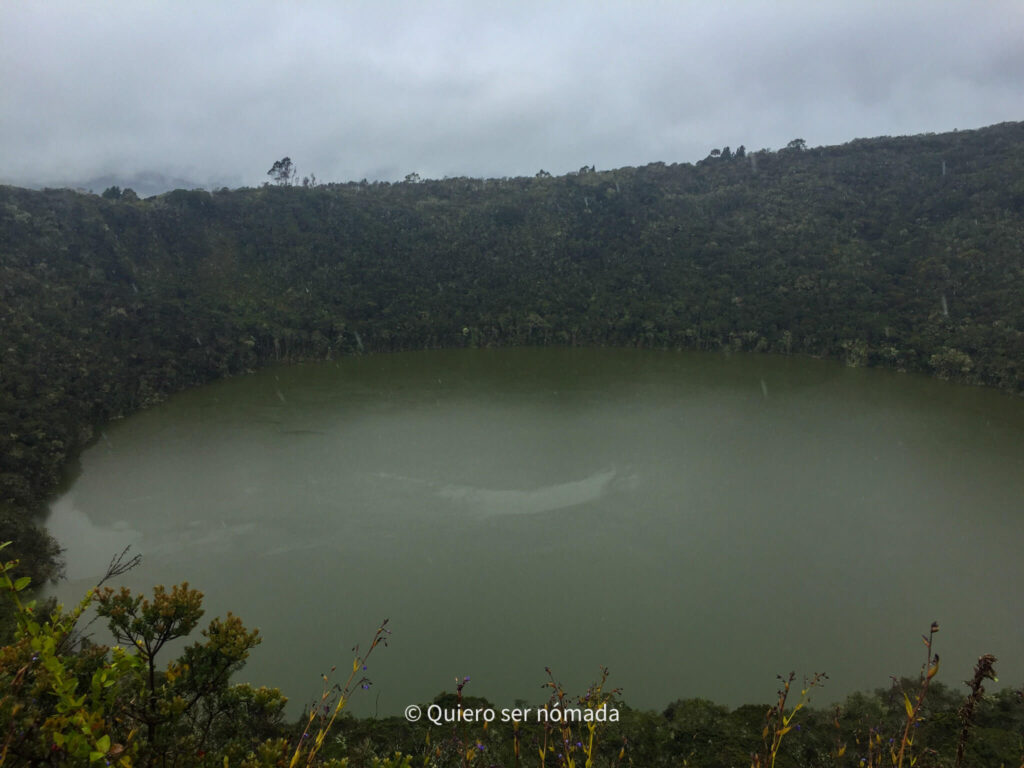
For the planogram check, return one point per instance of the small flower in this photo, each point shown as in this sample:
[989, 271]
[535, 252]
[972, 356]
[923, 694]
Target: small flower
[366, 686]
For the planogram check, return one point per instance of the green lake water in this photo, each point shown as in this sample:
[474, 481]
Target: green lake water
[697, 523]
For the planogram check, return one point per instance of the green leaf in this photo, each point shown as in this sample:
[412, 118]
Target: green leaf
[20, 584]
[103, 745]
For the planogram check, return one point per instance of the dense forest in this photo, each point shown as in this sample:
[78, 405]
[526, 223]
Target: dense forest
[905, 252]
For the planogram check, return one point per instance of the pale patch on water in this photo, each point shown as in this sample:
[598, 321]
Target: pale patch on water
[511, 501]
[299, 546]
[549, 498]
[220, 537]
[93, 545]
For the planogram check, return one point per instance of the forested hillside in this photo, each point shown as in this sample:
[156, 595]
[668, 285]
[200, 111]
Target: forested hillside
[898, 252]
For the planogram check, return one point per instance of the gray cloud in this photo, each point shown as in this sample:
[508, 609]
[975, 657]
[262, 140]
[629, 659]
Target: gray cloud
[217, 92]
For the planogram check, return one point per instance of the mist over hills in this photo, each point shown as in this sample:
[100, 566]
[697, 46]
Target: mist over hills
[143, 183]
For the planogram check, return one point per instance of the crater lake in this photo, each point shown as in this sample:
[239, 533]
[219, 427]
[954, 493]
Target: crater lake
[698, 523]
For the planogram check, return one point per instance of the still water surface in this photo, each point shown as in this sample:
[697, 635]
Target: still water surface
[697, 523]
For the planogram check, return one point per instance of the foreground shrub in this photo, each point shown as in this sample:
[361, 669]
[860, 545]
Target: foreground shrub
[67, 702]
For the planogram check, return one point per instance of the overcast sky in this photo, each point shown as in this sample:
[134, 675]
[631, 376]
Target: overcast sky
[215, 92]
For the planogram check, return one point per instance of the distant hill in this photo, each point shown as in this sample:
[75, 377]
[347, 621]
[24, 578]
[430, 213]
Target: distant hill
[143, 183]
